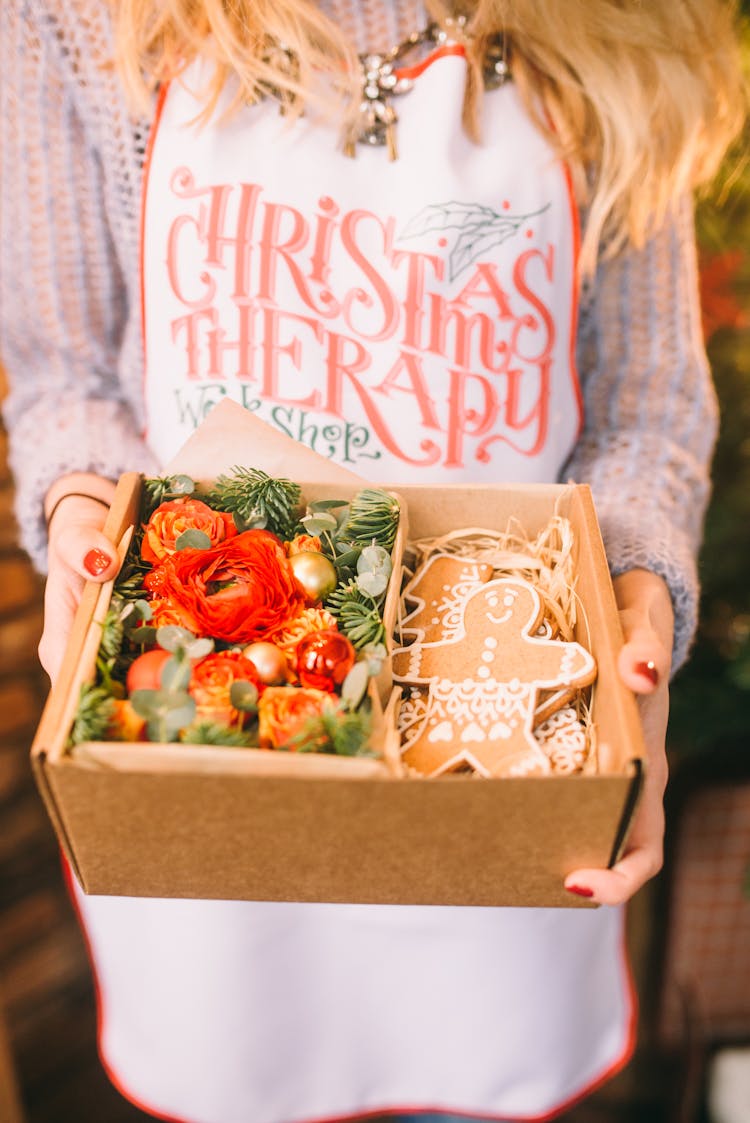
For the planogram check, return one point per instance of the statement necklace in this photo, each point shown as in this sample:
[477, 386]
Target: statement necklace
[376, 119]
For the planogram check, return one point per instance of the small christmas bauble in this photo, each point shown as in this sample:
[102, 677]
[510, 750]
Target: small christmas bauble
[315, 573]
[268, 660]
[324, 659]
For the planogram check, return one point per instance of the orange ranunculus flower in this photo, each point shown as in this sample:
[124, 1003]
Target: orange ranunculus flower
[283, 710]
[304, 543]
[241, 590]
[173, 518]
[211, 682]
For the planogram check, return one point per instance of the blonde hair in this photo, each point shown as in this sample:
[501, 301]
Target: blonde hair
[641, 99]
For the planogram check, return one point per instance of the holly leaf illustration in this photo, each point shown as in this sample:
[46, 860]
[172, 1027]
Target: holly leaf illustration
[446, 216]
[480, 228]
[473, 241]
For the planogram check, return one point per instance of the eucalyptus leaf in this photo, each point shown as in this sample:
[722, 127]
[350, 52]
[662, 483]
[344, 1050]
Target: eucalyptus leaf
[374, 584]
[175, 674]
[179, 716]
[172, 636]
[326, 504]
[354, 686]
[144, 634]
[347, 558]
[244, 696]
[192, 539]
[374, 559]
[199, 648]
[183, 485]
[142, 609]
[319, 524]
[146, 703]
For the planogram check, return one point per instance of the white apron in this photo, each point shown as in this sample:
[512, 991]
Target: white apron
[414, 320]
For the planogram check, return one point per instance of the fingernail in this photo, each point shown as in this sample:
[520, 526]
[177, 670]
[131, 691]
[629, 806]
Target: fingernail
[580, 890]
[649, 671]
[96, 561]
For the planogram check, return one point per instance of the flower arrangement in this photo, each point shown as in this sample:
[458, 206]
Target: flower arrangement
[241, 619]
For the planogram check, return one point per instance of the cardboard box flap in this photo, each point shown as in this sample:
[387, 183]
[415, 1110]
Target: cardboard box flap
[232, 436]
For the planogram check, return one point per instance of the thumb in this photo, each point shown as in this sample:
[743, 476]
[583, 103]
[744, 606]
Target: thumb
[86, 551]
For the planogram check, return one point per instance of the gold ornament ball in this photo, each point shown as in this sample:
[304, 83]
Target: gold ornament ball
[315, 573]
[268, 660]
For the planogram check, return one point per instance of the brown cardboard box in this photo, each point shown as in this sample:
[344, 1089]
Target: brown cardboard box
[181, 821]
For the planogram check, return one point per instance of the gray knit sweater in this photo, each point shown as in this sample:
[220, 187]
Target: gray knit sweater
[70, 196]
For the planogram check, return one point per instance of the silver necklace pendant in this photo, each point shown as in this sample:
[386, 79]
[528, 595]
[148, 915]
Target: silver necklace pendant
[376, 120]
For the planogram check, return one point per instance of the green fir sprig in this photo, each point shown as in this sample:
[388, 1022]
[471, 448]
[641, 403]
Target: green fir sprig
[212, 733]
[357, 614]
[94, 715]
[160, 489]
[257, 500]
[373, 517]
[337, 732]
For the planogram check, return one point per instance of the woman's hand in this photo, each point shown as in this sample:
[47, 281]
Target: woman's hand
[644, 664]
[78, 551]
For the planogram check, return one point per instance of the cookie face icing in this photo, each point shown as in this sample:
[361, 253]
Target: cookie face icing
[471, 689]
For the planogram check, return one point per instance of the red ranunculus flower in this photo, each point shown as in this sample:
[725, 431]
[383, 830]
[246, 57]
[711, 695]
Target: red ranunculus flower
[241, 590]
[173, 518]
[211, 682]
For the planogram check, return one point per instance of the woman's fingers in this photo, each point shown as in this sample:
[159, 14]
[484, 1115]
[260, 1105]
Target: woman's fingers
[78, 552]
[644, 667]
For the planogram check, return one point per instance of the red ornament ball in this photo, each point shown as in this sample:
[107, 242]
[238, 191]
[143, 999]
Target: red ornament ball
[324, 659]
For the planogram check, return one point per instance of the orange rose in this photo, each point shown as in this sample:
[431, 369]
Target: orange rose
[173, 518]
[283, 710]
[304, 543]
[241, 590]
[309, 620]
[211, 682]
[125, 724]
[162, 613]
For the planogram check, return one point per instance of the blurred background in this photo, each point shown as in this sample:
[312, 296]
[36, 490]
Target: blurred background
[689, 930]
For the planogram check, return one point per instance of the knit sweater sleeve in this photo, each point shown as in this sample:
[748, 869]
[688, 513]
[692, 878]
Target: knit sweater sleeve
[63, 304]
[650, 414]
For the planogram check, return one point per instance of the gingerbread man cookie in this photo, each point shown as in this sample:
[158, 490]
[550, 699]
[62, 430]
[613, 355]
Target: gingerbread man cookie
[438, 589]
[482, 684]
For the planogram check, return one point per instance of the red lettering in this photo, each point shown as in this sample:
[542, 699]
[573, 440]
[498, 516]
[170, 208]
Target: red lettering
[520, 270]
[340, 367]
[415, 296]
[485, 284]
[349, 227]
[463, 419]
[417, 386]
[272, 348]
[275, 247]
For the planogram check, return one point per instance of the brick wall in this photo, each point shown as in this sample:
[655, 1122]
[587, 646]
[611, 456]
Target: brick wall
[22, 683]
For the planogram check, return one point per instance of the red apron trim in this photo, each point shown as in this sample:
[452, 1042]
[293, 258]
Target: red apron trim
[612, 1069]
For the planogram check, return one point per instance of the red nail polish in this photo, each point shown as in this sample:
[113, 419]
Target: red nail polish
[580, 890]
[649, 671]
[96, 561]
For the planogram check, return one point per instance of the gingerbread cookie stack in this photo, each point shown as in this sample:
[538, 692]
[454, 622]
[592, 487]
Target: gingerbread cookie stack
[487, 681]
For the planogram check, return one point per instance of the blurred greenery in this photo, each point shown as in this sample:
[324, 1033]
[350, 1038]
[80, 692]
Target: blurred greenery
[711, 695]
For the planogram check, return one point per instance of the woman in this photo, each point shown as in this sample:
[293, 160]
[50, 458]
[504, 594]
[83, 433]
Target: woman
[393, 260]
